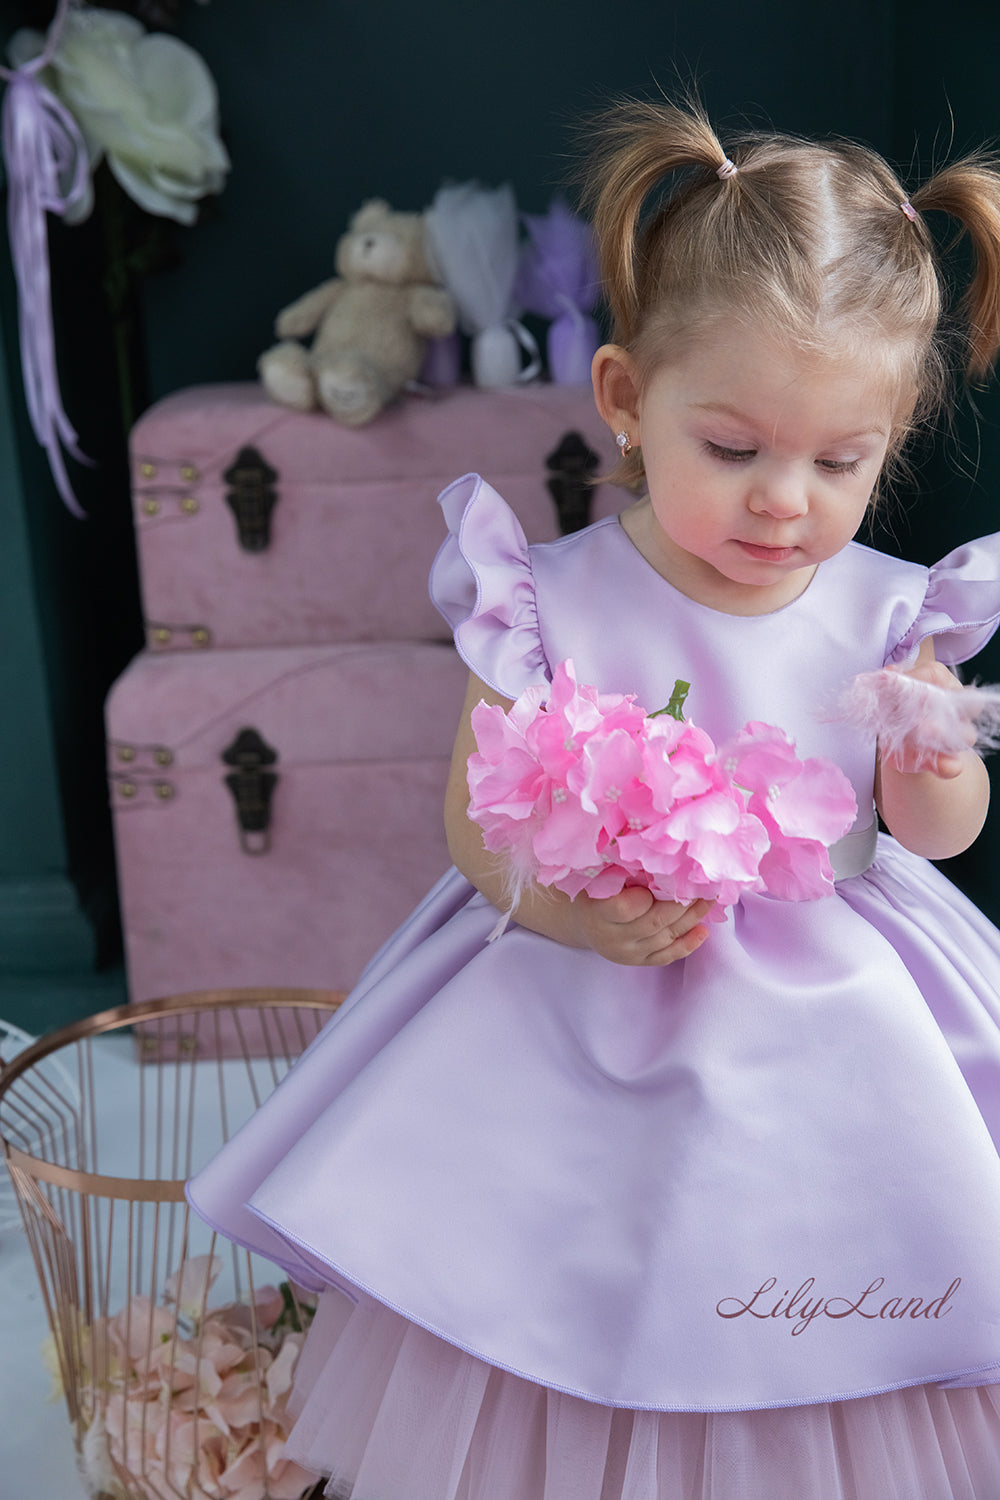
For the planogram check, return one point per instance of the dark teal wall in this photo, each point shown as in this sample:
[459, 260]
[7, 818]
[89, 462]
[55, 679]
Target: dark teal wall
[947, 102]
[82, 582]
[327, 102]
[324, 103]
[33, 844]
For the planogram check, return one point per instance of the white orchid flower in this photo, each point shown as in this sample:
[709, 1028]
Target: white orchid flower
[146, 101]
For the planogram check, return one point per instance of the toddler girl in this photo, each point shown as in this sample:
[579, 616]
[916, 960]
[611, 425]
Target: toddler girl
[627, 1204]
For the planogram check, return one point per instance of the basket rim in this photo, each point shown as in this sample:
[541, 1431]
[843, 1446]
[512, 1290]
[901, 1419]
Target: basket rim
[97, 1184]
[94, 1184]
[168, 1005]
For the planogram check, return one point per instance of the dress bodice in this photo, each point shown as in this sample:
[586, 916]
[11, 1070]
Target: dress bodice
[517, 611]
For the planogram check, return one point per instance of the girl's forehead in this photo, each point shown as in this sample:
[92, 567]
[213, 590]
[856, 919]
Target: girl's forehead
[739, 371]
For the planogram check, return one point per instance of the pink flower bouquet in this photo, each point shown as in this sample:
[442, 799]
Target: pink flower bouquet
[585, 791]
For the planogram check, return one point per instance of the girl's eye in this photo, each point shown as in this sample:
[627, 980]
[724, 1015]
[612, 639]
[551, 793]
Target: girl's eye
[730, 455]
[839, 465]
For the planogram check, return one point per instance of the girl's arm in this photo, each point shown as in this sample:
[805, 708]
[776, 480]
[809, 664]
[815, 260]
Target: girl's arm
[937, 811]
[630, 928]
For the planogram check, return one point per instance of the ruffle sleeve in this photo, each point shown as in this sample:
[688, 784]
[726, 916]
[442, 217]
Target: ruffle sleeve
[961, 607]
[481, 582]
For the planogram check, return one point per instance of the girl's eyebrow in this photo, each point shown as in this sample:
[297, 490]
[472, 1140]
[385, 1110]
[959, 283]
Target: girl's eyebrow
[724, 409]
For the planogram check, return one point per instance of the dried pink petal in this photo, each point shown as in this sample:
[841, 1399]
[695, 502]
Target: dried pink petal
[281, 1371]
[246, 1477]
[189, 1287]
[269, 1304]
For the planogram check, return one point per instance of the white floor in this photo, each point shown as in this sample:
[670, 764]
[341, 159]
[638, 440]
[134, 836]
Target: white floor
[36, 1445]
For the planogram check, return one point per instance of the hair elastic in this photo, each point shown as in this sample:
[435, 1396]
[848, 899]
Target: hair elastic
[909, 210]
[728, 169]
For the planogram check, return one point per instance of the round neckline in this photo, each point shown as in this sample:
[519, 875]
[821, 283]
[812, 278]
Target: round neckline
[724, 614]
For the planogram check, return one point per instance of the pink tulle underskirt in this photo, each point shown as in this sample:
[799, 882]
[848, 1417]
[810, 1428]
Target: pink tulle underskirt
[390, 1412]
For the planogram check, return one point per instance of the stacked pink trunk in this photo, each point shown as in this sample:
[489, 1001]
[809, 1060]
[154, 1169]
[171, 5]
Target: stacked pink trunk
[279, 752]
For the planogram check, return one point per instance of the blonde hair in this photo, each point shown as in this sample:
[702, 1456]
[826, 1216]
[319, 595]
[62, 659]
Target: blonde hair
[808, 239]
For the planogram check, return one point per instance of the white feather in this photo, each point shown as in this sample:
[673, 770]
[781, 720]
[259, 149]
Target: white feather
[903, 712]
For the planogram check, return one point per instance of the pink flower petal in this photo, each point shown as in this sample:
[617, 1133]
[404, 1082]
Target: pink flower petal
[817, 803]
[509, 790]
[568, 837]
[797, 870]
[759, 757]
[606, 768]
[496, 732]
[608, 881]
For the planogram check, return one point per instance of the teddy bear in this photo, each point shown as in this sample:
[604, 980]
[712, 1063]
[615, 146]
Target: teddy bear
[369, 324]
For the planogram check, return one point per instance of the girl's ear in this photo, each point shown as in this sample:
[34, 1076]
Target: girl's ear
[616, 388]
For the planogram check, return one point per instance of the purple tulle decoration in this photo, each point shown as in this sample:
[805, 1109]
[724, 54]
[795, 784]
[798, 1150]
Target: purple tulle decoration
[558, 278]
[47, 172]
[442, 366]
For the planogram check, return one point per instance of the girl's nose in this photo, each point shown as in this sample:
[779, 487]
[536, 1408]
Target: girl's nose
[780, 495]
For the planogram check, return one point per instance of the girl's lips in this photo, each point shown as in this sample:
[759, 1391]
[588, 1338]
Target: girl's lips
[767, 554]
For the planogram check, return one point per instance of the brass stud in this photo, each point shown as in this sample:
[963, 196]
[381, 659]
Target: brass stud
[125, 753]
[149, 1044]
[151, 507]
[148, 471]
[127, 788]
[190, 506]
[162, 635]
[163, 756]
[200, 636]
[164, 791]
[187, 1045]
[189, 473]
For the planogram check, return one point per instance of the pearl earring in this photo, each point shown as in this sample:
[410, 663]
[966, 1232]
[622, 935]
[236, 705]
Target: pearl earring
[624, 445]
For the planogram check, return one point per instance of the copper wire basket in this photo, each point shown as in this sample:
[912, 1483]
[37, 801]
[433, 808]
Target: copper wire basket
[12, 1041]
[173, 1348]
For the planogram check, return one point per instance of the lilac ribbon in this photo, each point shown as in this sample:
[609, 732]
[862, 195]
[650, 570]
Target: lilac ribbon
[47, 172]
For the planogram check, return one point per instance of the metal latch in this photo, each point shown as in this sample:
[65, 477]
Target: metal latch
[251, 498]
[570, 486]
[252, 786]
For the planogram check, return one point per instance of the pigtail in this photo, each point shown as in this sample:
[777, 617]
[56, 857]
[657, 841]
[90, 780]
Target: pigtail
[638, 144]
[969, 191]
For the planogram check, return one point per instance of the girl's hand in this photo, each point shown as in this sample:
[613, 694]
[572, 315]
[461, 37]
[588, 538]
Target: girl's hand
[934, 806]
[634, 928]
[912, 759]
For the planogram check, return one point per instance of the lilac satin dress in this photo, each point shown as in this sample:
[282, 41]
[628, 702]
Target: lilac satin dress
[729, 1228]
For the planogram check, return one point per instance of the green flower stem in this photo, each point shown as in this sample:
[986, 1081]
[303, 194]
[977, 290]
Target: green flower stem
[675, 708]
[121, 288]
